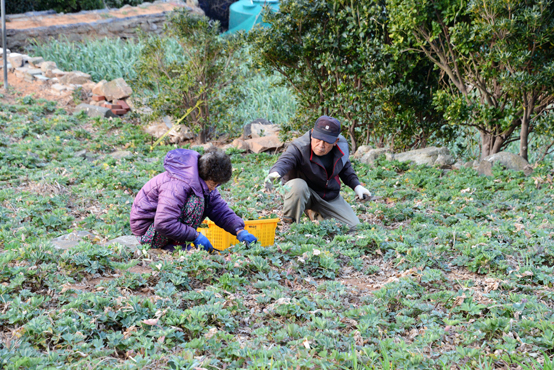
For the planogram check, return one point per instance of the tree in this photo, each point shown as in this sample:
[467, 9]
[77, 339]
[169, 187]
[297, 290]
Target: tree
[198, 74]
[334, 55]
[496, 57]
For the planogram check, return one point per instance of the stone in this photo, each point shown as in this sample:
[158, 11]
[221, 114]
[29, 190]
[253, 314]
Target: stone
[34, 71]
[247, 129]
[94, 111]
[485, 168]
[80, 154]
[361, 151]
[180, 133]
[262, 144]
[16, 60]
[59, 87]
[2, 52]
[58, 72]
[9, 66]
[129, 241]
[70, 240]
[261, 130]
[444, 161]
[121, 154]
[458, 165]
[427, 156]
[20, 72]
[508, 160]
[49, 73]
[113, 90]
[45, 66]
[177, 135]
[202, 146]
[41, 79]
[371, 155]
[36, 62]
[75, 78]
[240, 144]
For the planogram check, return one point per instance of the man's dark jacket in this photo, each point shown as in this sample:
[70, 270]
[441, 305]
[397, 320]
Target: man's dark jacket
[299, 161]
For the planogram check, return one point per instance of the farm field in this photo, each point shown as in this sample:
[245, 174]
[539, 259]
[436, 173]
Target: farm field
[448, 271]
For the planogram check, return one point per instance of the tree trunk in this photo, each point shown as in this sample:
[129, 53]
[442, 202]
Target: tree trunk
[490, 144]
[351, 133]
[524, 137]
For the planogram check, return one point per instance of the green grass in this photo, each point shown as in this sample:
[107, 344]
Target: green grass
[103, 59]
[459, 268]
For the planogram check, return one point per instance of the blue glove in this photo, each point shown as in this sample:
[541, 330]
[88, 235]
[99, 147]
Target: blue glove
[201, 240]
[245, 236]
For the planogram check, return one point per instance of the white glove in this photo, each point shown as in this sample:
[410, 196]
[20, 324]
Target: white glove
[361, 191]
[272, 177]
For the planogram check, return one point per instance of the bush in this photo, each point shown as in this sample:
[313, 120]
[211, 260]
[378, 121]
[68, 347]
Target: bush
[496, 59]
[202, 81]
[335, 55]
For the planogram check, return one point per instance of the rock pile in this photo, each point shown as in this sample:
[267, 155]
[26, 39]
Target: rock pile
[107, 99]
[259, 136]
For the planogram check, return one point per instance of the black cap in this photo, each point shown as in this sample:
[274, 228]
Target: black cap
[327, 129]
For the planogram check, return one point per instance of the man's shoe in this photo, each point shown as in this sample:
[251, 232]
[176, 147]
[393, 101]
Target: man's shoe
[287, 219]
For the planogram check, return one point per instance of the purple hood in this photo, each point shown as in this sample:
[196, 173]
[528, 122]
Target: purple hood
[161, 199]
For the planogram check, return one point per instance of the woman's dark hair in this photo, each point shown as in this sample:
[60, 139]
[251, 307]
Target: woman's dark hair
[215, 165]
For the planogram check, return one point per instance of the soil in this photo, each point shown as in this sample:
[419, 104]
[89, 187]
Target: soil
[19, 87]
[61, 19]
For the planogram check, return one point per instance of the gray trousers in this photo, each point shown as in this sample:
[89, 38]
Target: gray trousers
[300, 197]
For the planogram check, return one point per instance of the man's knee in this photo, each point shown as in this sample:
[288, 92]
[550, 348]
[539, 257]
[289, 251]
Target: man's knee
[297, 188]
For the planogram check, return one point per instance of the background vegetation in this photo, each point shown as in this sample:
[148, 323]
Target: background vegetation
[397, 72]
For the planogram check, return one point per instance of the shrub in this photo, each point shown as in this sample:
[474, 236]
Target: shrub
[201, 78]
[496, 58]
[335, 56]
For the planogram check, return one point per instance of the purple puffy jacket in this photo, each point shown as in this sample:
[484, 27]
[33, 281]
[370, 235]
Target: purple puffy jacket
[161, 199]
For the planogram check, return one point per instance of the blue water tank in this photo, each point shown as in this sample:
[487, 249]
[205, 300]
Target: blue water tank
[244, 14]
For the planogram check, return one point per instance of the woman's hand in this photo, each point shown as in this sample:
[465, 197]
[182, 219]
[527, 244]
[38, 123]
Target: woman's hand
[246, 237]
[201, 240]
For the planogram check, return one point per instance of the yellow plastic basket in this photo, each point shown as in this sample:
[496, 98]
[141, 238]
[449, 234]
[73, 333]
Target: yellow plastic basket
[264, 230]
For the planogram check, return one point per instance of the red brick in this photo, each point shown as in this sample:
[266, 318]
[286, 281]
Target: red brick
[119, 112]
[98, 98]
[124, 105]
[111, 106]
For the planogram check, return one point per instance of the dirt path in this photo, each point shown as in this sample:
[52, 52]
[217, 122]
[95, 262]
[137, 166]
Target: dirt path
[61, 19]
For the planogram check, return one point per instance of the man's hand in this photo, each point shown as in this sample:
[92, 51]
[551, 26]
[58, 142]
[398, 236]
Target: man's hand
[201, 240]
[246, 237]
[268, 182]
[362, 192]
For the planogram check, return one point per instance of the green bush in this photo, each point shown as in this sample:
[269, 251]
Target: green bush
[496, 58]
[335, 56]
[203, 82]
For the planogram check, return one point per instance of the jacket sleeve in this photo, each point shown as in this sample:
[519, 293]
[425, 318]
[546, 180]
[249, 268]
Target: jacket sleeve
[223, 216]
[348, 176]
[171, 200]
[287, 161]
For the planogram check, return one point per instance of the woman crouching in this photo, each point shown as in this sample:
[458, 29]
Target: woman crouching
[170, 207]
